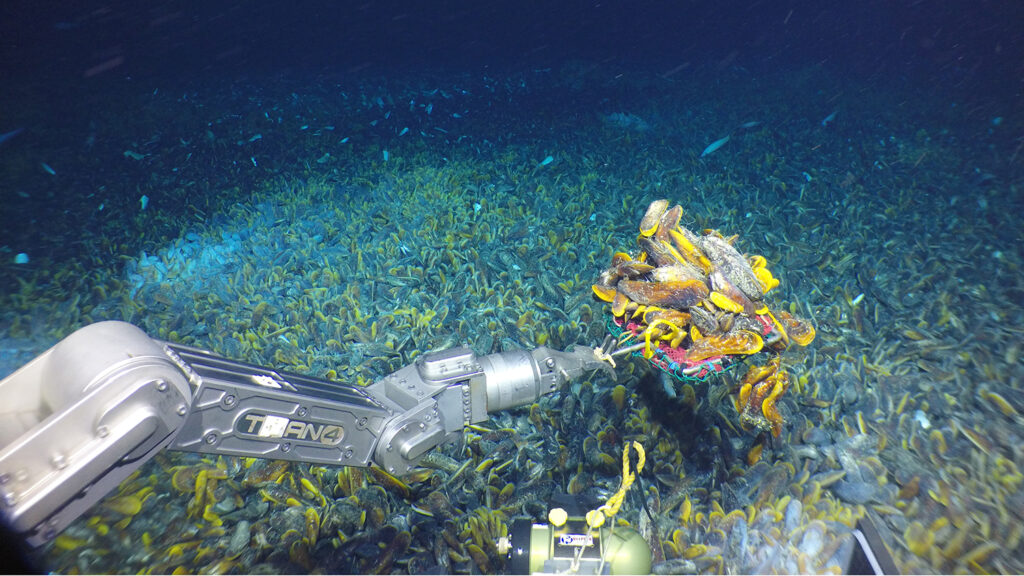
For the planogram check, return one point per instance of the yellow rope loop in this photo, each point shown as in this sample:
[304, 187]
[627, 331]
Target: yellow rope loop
[647, 335]
[641, 456]
[611, 507]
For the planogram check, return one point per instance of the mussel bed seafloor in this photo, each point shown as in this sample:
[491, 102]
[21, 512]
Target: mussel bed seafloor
[905, 409]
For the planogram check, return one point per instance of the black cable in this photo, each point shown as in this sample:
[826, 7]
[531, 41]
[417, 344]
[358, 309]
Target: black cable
[654, 524]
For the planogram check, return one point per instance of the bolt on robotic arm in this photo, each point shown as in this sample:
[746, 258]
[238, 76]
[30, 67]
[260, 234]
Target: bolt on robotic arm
[84, 415]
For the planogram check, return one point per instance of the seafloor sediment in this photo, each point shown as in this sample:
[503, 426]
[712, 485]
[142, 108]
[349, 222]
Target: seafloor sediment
[340, 227]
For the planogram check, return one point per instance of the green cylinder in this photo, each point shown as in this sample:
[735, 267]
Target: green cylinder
[555, 549]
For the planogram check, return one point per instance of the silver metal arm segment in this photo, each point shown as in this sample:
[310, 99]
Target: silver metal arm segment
[79, 419]
[241, 409]
[84, 415]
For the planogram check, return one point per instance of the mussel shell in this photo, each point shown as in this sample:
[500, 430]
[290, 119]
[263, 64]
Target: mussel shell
[627, 269]
[619, 302]
[658, 252]
[669, 220]
[733, 343]
[703, 320]
[679, 272]
[690, 235]
[800, 331]
[721, 283]
[732, 264]
[649, 223]
[673, 294]
[602, 292]
[685, 242]
[634, 269]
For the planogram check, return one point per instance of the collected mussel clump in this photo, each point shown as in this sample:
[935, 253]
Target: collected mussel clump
[694, 306]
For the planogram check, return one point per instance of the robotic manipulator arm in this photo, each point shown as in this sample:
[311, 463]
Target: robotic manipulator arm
[84, 415]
